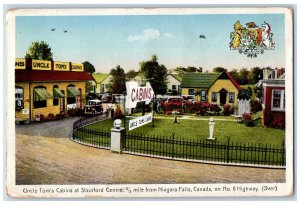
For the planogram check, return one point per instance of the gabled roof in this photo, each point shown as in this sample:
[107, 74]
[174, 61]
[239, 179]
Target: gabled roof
[99, 77]
[42, 75]
[205, 80]
[176, 76]
[199, 80]
[140, 74]
[233, 80]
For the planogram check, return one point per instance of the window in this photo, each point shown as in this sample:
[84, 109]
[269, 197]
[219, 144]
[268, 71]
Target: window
[174, 87]
[102, 88]
[278, 100]
[40, 97]
[214, 97]
[72, 92]
[203, 95]
[231, 97]
[19, 97]
[191, 92]
[55, 95]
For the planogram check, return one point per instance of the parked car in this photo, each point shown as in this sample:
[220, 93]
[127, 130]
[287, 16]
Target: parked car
[93, 107]
[106, 98]
[175, 99]
[189, 98]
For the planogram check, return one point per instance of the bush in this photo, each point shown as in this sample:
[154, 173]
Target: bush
[227, 109]
[248, 119]
[118, 113]
[255, 106]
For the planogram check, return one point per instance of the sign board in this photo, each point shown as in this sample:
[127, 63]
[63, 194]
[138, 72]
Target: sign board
[41, 65]
[77, 67]
[140, 121]
[137, 93]
[71, 106]
[25, 112]
[20, 64]
[61, 66]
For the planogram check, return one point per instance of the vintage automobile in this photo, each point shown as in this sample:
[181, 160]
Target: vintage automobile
[93, 107]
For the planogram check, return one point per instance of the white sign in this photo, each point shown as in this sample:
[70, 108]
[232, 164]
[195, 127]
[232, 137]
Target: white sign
[136, 93]
[140, 121]
[71, 106]
[25, 111]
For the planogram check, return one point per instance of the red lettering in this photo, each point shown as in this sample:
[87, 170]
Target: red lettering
[132, 95]
[141, 94]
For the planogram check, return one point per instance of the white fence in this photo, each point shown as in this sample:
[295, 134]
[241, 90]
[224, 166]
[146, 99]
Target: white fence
[243, 106]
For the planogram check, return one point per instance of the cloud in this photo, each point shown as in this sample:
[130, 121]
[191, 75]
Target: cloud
[167, 35]
[148, 34]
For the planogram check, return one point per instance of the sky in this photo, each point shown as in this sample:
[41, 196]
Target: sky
[126, 40]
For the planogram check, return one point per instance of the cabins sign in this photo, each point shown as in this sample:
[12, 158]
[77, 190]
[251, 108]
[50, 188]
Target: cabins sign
[137, 93]
[140, 121]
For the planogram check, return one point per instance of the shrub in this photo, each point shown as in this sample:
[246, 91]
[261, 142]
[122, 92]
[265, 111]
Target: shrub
[118, 113]
[227, 109]
[255, 106]
[248, 119]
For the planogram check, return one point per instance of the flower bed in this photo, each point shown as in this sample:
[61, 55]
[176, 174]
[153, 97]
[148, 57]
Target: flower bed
[198, 108]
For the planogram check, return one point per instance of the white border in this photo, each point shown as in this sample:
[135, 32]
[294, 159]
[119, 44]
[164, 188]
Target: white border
[16, 191]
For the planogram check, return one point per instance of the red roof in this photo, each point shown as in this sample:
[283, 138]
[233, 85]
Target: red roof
[233, 81]
[40, 75]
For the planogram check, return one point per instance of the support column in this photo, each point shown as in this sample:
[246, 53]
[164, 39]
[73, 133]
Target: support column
[117, 137]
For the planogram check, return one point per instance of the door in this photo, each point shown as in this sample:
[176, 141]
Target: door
[223, 96]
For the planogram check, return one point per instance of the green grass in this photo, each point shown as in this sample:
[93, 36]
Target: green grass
[247, 144]
[198, 130]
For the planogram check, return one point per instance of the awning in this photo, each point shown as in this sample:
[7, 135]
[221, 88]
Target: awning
[72, 92]
[58, 93]
[41, 94]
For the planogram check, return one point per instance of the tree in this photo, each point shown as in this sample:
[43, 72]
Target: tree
[199, 70]
[117, 83]
[88, 67]
[39, 50]
[256, 74]
[244, 76]
[191, 69]
[235, 75]
[131, 74]
[218, 70]
[156, 73]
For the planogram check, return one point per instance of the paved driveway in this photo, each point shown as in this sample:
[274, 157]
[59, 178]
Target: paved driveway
[45, 155]
[59, 128]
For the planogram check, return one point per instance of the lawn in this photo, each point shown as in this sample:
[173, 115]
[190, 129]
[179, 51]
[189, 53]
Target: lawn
[248, 145]
[198, 130]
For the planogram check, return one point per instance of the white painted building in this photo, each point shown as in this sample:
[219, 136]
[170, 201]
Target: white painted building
[174, 82]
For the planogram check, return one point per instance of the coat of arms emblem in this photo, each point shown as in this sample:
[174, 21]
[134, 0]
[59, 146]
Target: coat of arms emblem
[252, 39]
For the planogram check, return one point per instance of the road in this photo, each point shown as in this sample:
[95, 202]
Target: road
[45, 155]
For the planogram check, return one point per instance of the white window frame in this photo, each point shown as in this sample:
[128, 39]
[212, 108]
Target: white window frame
[231, 94]
[282, 100]
[212, 97]
[203, 97]
[190, 89]
[19, 91]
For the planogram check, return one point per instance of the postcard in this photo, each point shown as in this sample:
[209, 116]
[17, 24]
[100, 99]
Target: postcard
[160, 102]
